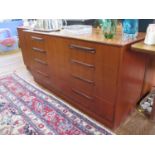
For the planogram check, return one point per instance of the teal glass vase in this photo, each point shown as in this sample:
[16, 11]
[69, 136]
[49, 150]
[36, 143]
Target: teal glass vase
[109, 27]
[130, 28]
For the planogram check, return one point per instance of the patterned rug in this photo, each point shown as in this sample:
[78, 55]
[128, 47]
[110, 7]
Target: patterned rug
[25, 109]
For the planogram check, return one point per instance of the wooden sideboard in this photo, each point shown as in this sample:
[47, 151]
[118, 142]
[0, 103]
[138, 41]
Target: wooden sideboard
[149, 78]
[102, 78]
[149, 52]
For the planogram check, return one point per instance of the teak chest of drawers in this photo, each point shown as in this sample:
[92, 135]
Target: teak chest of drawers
[102, 79]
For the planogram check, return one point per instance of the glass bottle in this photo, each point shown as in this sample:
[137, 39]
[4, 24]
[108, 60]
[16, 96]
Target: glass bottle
[109, 27]
[130, 28]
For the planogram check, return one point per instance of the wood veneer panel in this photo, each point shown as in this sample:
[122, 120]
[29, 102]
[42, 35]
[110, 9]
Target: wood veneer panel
[103, 79]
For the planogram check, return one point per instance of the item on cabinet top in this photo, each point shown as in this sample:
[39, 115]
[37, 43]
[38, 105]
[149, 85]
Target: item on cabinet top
[130, 28]
[29, 23]
[49, 25]
[78, 29]
[109, 27]
[150, 35]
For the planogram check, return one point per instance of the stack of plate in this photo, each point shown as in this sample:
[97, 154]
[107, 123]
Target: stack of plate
[147, 103]
[78, 29]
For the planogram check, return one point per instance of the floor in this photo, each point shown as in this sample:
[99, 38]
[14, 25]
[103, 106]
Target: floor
[136, 124]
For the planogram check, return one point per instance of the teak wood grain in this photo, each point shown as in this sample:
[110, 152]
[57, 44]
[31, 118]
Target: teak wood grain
[149, 52]
[104, 79]
[96, 37]
[144, 48]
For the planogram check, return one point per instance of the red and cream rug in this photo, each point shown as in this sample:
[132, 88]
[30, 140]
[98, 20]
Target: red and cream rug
[26, 109]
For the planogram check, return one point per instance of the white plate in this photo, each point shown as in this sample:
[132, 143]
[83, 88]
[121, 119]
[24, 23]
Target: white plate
[43, 30]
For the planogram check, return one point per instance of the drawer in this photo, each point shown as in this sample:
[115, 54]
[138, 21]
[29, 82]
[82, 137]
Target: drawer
[83, 73]
[39, 55]
[81, 98]
[40, 65]
[38, 41]
[83, 87]
[82, 53]
[41, 78]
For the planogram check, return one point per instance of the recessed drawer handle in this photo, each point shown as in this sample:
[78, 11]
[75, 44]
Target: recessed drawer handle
[38, 50]
[41, 73]
[37, 38]
[82, 79]
[82, 63]
[86, 49]
[82, 94]
[40, 61]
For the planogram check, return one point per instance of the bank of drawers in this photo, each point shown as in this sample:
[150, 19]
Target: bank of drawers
[82, 73]
[39, 64]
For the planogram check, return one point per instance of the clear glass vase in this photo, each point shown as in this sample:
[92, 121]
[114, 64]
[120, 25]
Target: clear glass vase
[109, 27]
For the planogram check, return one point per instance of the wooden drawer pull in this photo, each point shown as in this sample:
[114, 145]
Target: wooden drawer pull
[37, 38]
[38, 50]
[82, 79]
[82, 63]
[86, 49]
[40, 61]
[41, 73]
[82, 94]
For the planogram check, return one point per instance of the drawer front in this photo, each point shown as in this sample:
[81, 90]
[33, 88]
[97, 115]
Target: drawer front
[82, 53]
[83, 87]
[83, 47]
[39, 55]
[82, 57]
[41, 77]
[82, 73]
[81, 98]
[40, 65]
[38, 41]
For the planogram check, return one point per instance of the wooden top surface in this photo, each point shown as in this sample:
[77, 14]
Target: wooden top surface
[95, 36]
[144, 48]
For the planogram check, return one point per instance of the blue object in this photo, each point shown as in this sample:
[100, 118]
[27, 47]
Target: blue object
[7, 42]
[9, 35]
[130, 27]
[4, 34]
[12, 25]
